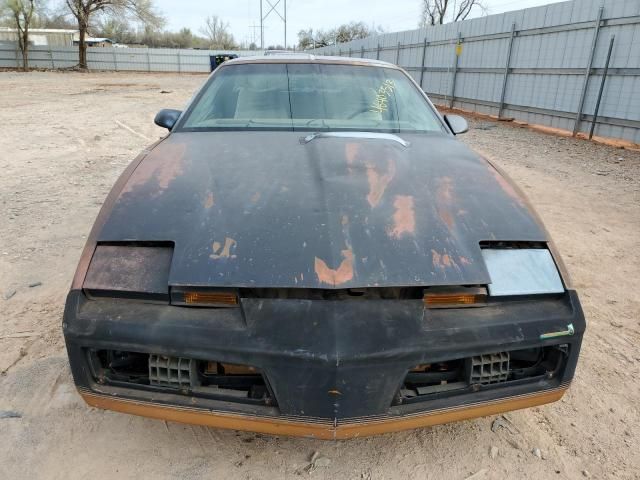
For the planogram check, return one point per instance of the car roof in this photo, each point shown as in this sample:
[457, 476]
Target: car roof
[309, 58]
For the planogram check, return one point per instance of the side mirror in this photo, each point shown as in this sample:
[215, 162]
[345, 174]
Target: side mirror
[167, 118]
[457, 124]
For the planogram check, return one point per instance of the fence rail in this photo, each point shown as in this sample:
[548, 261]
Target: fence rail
[119, 59]
[541, 65]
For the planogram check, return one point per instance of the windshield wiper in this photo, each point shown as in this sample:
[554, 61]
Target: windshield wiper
[324, 123]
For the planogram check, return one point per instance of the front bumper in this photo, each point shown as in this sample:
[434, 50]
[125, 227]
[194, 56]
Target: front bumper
[334, 367]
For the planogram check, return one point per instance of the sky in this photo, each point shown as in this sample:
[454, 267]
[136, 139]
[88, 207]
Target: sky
[243, 15]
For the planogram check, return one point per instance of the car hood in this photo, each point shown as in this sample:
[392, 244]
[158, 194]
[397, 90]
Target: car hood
[271, 209]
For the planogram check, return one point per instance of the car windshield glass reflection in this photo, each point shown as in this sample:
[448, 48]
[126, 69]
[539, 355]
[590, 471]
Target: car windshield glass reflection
[300, 96]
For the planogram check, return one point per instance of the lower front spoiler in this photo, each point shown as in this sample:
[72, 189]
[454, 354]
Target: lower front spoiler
[320, 429]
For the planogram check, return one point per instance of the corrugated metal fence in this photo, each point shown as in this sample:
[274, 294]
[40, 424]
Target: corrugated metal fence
[119, 59]
[540, 65]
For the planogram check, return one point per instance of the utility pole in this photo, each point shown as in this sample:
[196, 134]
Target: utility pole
[253, 32]
[263, 17]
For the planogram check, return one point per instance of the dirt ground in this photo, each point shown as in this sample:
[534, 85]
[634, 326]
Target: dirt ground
[66, 137]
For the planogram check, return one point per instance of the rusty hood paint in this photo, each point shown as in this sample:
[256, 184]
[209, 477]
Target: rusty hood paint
[264, 209]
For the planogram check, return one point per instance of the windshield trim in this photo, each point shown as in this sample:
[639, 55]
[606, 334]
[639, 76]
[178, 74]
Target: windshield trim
[196, 98]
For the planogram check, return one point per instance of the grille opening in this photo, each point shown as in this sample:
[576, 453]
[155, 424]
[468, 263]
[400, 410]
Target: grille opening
[481, 371]
[376, 293]
[369, 293]
[187, 376]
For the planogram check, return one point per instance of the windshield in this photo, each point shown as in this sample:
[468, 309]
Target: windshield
[306, 96]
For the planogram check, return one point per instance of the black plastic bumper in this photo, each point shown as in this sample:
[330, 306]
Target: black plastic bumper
[325, 361]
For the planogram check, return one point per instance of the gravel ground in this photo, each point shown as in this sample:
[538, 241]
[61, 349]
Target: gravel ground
[65, 139]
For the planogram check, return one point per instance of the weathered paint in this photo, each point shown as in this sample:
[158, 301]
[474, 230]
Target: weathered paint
[103, 216]
[445, 201]
[220, 251]
[351, 151]
[338, 276]
[209, 201]
[306, 191]
[157, 175]
[404, 218]
[379, 181]
[442, 260]
[129, 269]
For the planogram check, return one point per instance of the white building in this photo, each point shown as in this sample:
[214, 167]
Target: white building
[40, 37]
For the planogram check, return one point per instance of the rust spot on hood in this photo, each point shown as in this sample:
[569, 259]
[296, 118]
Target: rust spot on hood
[445, 201]
[162, 167]
[379, 181]
[351, 152]
[404, 218]
[442, 260]
[255, 197]
[336, 277]
[209, 201]
[220, 251]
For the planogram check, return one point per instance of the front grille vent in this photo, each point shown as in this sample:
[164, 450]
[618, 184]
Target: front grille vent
[482, 372]
[488, 369]
[180, 376]
[172, 371]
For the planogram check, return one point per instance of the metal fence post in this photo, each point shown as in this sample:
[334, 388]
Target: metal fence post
[604, 79]
[53, 62]
[115, 58]
[455, 69]
[585, 84]
[424, 57]
[179, 62]
[398, 55]
[506, 70]
[362, 52]
[148, 60]
[349, 53]
[378, 52]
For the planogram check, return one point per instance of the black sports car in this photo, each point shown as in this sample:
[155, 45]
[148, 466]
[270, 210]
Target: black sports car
[311, 251]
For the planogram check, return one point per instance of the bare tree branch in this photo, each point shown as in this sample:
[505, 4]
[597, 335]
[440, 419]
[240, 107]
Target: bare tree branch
[85, 10]
[343, 33]
[217, 33]
[437, 12]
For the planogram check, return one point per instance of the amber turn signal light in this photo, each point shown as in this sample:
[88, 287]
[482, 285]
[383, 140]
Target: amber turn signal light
[211, 299]
[455, 297]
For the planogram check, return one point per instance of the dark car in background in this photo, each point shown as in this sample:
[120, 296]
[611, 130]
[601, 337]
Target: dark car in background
[312, 252]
